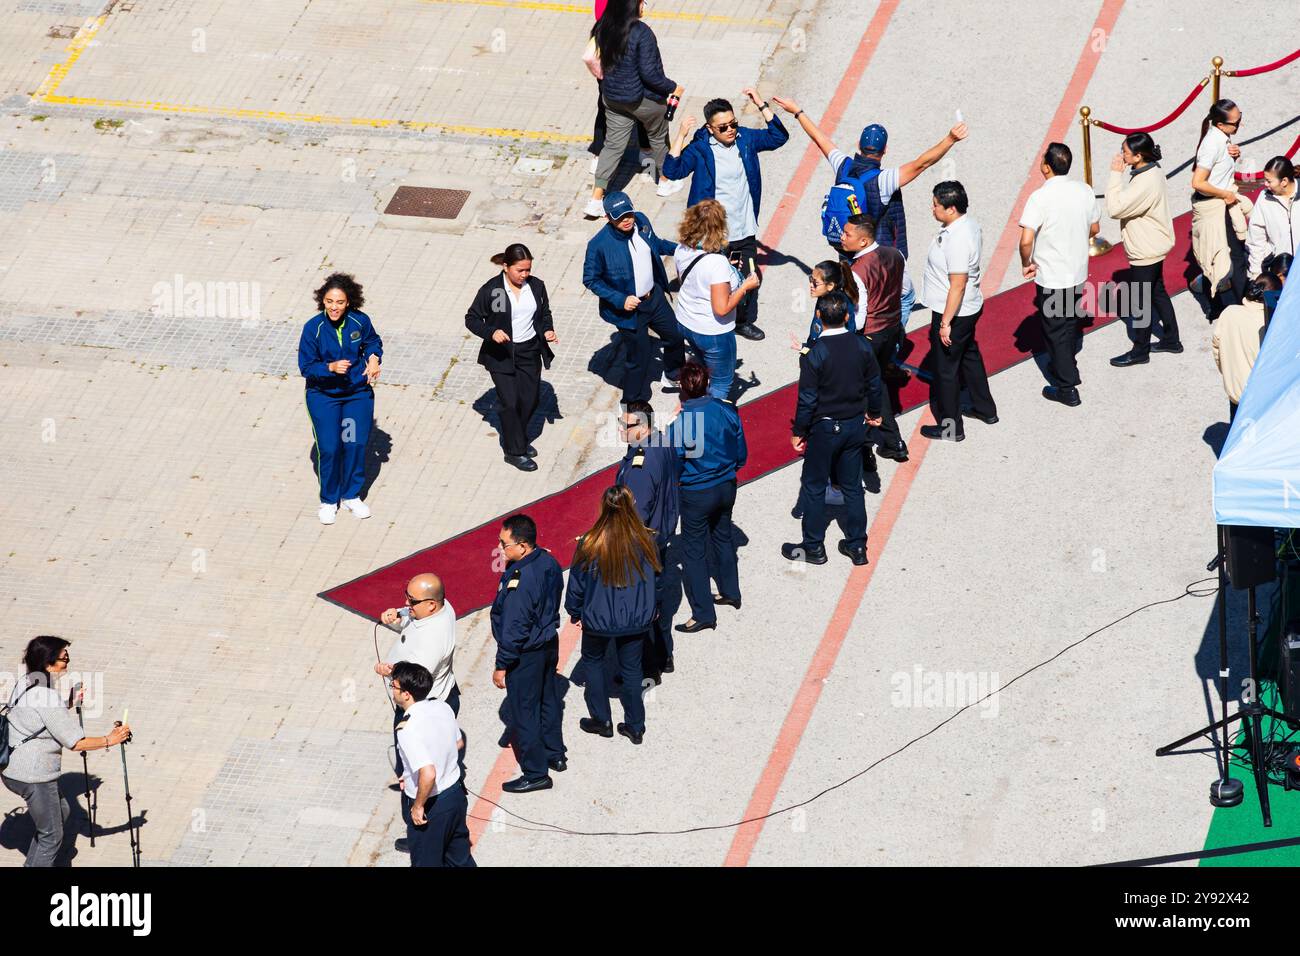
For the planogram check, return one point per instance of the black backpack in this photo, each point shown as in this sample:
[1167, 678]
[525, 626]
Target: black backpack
[6, 751]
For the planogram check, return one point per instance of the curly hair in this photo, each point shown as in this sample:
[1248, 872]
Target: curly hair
[344, 282]
[704, 226]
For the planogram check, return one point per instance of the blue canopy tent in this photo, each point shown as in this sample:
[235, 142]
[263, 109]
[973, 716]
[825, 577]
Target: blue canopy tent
[1257, 478]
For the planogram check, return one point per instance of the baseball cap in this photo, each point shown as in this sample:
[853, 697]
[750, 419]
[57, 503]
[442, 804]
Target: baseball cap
[617, 205]
[873, 139]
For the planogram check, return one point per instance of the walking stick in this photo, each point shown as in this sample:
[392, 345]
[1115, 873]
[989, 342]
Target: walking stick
[130, 818]
[85, 764]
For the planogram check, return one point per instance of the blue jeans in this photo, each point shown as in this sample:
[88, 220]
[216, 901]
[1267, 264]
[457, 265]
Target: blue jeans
[719, 355]
[909, 300]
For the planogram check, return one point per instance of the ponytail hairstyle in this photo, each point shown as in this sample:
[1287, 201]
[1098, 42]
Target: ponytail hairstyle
[1219, 112]
[515, 252]
[1281, 167]
[837, 274]
[1142, 145]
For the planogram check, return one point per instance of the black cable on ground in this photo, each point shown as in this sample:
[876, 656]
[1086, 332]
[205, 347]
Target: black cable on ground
[1191, 590]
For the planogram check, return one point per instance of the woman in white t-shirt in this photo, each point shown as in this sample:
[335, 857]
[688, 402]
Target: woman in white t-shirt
[1219, 250]
[711, 288]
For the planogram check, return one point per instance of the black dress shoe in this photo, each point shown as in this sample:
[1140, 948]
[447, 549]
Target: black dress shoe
[631, 734]
[521, 462]
[530, 452]
[1129, 358]
[898, 454]
[402, 845]
[857, 555]
[590, 725]
[559, 766]
[1065, 395]
[667, 667]
[868, 461]
[524, 785]
[986, 419]
[696, 626]
[797, 552]
[939, 433]
[730, 602]
[1174, 347]
[748, 330]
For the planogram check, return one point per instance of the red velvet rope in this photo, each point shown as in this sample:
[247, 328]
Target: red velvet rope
[1164, 122]
[1264, 69]
[1258, 177]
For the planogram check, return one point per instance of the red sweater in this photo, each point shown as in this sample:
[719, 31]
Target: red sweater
[881, 271]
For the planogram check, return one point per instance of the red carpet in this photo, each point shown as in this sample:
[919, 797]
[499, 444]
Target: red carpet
[1007, 335]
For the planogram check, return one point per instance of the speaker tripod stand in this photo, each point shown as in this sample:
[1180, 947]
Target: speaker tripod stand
[1226, 791]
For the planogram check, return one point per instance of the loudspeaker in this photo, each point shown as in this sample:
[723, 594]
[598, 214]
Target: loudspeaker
[1252, 556]
[1288, 671]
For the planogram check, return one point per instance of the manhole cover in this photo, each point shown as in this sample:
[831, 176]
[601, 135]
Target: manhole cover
[427, 202]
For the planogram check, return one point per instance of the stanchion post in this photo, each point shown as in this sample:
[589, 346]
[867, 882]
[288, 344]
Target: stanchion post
[1217, 63]
[1098, 246]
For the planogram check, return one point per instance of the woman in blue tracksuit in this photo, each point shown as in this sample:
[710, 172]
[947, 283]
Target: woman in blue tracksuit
[339, 355]
[612, 593]
[708, 438]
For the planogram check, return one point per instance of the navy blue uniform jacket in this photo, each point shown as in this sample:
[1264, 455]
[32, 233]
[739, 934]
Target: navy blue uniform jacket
[651, 473]
[322, 343]
[838, 379]
[526, 609]
[709, 441]
[610, 611]
[607, 270]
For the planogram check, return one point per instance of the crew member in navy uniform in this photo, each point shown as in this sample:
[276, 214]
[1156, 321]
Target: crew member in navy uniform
[433, 794]
[339, 354]
[512, 315]
[650, 470]
[526, 626]
[840, 394]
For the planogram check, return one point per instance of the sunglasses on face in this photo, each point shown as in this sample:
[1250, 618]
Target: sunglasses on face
[724, 127]
[413, 601]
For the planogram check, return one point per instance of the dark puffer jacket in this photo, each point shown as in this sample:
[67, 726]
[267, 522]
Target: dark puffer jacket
[639, 73]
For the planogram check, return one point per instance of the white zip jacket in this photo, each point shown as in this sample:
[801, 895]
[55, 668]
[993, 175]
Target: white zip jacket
[1274, 228]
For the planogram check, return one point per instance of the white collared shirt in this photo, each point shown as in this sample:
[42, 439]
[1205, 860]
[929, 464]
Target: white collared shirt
[841, 330]
[1061, 212]
[427, 735]
[1212, 156]
[431, 643]
[523, 307]
[643, 272]
[955, 250]
[731, 189]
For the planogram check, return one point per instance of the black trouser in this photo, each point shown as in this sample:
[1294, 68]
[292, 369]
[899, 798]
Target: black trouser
[955, 365]
[834, 449]
[708, 549]
[884, 344]
[519, 394]
[598, 131]
[1058, 314]
[654, 312]
[659, 648]
[533, 703]
[629, 648]
[444, 838]
[1147, 286]
[743, 254]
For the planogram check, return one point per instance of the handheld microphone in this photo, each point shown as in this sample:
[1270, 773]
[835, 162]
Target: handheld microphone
[73, 693]
[403, 614]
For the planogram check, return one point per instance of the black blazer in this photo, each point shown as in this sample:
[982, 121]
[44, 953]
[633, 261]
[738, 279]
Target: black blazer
[490, 311]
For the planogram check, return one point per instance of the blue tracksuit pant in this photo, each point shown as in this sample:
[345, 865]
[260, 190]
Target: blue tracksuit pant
[342, 430]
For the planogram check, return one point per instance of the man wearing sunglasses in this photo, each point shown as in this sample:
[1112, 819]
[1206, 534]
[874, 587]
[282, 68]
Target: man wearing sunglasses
[427, 636]
[722, 161]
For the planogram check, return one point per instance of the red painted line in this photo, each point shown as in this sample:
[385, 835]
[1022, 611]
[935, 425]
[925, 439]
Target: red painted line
[1056, 133]
[855, 589]
[823, 661]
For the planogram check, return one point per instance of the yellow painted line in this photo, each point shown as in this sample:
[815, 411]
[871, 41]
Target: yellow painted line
[74, 50]
[315, 118]
[586, 9]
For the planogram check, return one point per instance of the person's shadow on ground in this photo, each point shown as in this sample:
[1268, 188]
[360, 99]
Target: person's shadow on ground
[17, 831]
[548, 411]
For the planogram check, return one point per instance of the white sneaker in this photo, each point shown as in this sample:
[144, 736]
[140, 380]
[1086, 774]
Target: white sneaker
[595, 209]
[668, 187]
[595, 161]
[357, 507]
[327, 513]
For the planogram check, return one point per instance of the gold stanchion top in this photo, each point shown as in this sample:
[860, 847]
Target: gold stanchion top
[1217, 63]
[1085, 112]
